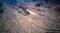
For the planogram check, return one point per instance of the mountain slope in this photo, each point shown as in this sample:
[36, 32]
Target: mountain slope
[40, 20]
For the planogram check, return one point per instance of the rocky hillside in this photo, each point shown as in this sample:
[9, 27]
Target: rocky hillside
[30, 19]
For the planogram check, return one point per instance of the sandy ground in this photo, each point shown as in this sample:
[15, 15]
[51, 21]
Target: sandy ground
[36, 22]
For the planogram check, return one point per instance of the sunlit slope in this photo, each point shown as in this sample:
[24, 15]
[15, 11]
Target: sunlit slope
[38, 21]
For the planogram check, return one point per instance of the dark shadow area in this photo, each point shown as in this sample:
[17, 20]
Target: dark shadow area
[1, 10]
[57, 9]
